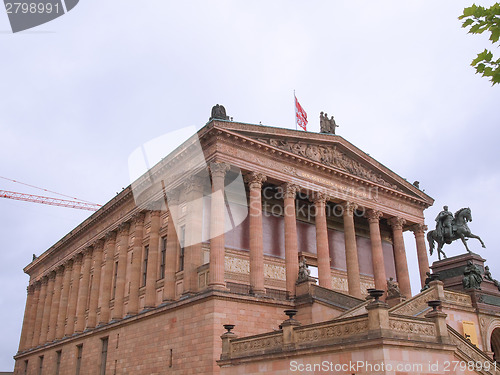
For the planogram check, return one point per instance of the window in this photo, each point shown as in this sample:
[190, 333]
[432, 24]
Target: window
[79, 350]
[145, 265]
[25, 367]
[181, 251]
[58, 361]
[104, 355]
[163, 257]
[40, 365]
[114, 280]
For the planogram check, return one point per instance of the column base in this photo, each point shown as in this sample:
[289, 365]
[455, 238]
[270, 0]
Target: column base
[218, 286]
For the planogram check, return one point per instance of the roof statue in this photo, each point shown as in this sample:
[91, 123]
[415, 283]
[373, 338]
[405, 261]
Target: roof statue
[449, 228]
[326, 125]
[219, 113]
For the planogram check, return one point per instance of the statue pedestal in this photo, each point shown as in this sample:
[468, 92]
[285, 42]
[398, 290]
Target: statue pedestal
[394, 301]
[451, 273]
[451, 270]
[303, 287]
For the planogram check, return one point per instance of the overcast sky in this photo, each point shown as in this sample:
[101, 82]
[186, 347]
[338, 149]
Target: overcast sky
[79, 94]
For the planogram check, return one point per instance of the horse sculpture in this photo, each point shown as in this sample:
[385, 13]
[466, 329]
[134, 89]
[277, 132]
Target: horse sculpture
[459, 230]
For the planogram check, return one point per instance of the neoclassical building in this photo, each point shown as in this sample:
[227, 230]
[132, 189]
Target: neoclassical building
[215, 234]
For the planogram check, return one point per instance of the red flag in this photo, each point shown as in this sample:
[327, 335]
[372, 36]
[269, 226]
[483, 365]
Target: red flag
[300, 115]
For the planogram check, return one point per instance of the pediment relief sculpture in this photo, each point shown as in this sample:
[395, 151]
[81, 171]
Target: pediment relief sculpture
[332, 157]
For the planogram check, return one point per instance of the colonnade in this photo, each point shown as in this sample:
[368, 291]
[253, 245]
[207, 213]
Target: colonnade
[78, 294]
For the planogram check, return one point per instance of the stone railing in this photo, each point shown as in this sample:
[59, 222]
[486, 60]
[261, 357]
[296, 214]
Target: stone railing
[457, 298]
[330, 331]
[378, 323]
[417, 305]
[257, 344]
[342, 300]
[471, 354]
[412, 326]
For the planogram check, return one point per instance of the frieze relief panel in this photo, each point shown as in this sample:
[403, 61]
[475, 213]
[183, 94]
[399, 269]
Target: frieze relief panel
[331, 331]
[407, 326]
[332, 157]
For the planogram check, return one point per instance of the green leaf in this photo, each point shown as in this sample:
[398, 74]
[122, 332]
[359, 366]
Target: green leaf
[468, 22]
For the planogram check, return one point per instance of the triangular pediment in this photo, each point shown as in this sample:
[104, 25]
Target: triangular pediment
[330, 150]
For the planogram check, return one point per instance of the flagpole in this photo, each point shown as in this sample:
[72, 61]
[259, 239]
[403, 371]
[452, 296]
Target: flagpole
[295, 108]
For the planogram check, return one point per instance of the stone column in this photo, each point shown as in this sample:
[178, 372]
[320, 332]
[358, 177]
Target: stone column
[152, 271]
[400, 261]
[56, 301]
[96, 282]
[377, 252]
[23, 342]
[46, 308]
[194, 186]
[254, 181]
[63, 305]
[106, 277]
[322, 248]
[217, 217]
[32, 314]
[83, 291]
[291, 248]
[135, 270]
[73, 295]
[423, 261]
[172, 246]
[123, 233]
[351, 250]
[39, 311]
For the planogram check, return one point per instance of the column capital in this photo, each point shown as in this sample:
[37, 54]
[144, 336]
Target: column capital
[98, 244]
[77, 259]
[319, 197]
[87, 251]
[31, 288]
[255, 180]
[123, 227]
[60, 269]
[52, 275]
[44, 280]
[138, 218]
[155, 213]
[349, 208]
[219, 169]
[192, 183]
[373, 216]
[396, 222]
[110, 236]
[289, 190]
[419, 228]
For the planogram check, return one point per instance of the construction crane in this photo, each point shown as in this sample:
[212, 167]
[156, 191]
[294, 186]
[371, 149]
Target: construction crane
[73, 203]
[48, 200]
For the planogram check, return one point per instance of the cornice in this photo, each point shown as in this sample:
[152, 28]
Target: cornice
[272, 150]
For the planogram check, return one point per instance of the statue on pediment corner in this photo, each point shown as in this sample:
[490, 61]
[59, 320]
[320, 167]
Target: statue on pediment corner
[218, 113]
[326, 125]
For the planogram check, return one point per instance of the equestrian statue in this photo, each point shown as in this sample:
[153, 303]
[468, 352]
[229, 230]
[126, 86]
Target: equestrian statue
[449, 228]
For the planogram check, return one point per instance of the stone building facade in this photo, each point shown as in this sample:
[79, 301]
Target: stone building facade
[213, 234]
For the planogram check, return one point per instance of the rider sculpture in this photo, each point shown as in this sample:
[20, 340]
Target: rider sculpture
[444, 227]
[449, 228]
